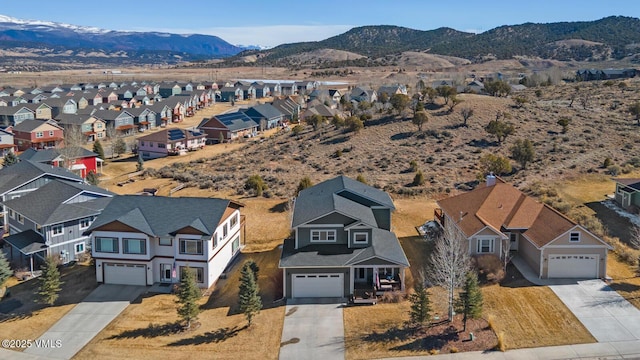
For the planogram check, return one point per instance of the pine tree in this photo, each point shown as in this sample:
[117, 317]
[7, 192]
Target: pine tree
[50, 284]
[5, 270]
[10, 159]
[248, 297]
[470, 302]
[97, 148]
[140, 163]
[420, 305]
[188, 295]
[92, 178]
[303, 184]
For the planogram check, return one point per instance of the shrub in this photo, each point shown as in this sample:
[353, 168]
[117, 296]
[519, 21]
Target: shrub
[413, 166]
[613, 170]
[501, 345]
[255, 183]
[434, 352]
[418, 179]
[489, 267]
[607, 162]
[392, 297]
[453, 350]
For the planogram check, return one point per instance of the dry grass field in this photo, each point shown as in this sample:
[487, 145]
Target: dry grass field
[147, 329]
[21, 315]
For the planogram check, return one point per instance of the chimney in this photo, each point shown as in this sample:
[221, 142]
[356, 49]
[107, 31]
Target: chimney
[491, 179]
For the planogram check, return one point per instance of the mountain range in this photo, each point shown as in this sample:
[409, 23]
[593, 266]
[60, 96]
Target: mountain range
[29, 44]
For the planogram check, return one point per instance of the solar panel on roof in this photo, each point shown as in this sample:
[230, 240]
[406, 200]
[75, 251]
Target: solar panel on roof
[175, 134]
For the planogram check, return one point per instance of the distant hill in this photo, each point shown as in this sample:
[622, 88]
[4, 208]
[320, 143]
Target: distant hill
[609, 38]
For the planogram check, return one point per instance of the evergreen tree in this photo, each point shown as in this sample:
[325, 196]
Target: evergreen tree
[420, 312]
[523, 152]
[50, 284]
[254, 268]
[92, 178]
[5, 270]
[303, 184]
[500, 129]
[188, 295]
[140, 163]
[248, 297]
[97, 148]
[470, 301]
[361, 179]
[10, 159]
[118, 147]
[418, 179]
[564, 123]
[419, 119]
[255, 182]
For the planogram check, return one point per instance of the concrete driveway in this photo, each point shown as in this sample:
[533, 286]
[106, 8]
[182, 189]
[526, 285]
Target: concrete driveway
[312, 331]
[85, 321]
[606, 314]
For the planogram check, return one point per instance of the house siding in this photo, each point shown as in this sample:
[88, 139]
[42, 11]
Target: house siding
[304, 236]
[585, 239]
[333, 218]
[485, 234]
[529, 253]
[290, 272]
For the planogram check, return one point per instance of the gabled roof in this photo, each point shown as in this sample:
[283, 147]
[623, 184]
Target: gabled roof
[48, 155]
[73, 119]
[25, 171]
[503, 207]
[235, 121]
[31, 125]
[342, 194]
[173, 134]
[50, 204]
[162, 216]
[266, 111]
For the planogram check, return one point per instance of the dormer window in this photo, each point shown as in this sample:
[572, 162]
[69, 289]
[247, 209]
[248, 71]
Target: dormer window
[574, 237]
[360, 238]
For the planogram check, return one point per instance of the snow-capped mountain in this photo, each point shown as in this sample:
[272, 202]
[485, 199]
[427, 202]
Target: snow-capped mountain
[37, 34]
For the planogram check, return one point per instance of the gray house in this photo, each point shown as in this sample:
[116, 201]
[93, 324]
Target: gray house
[52, 219]
[266, 115]
[343, 245]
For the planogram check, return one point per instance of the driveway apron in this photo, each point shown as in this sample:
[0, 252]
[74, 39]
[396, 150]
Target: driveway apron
[606, 314]
[312, 331]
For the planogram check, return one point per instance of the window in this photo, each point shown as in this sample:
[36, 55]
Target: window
[360, 238]
[513, 237]
[485, 245]
[192, 247]
[50, 133]
[79, 248]
[234, 220]
[197, 271]
[99, 126]
[106, 244]
[12, 214]
[235, 245]
[84, 223]
[323, 235]
[134, 246]
[141, 143]
[39, 134]
[574, 237]
[161, 145]
[20, 218]
[215, 240]
[56, 230]
[165, 241]
[225, 231]
[100, 135]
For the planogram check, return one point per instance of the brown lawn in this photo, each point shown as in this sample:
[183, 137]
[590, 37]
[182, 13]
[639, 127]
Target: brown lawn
[411, 213]
[147, 329]
[625, 280]
[21, 315]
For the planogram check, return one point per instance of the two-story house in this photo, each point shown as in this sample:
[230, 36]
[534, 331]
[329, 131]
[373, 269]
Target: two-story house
[91, 127]
[38, 134]
[51, 220]
[142, 240]
[170, 142]
[496, 217]
[26, 176]
[343, 242]
[7, 144]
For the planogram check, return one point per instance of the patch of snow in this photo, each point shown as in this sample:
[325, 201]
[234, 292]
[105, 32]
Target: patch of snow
[610, 204]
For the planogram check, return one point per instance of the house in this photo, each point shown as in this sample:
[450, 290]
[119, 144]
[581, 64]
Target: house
[62, 105]
[343, 242]
[7, 144]
[627, 194]
[144, 118]
[319, 109]
[288, 107]
[496, 218]
[265, 115]
[228, 126]
[170, 142]
[78, 160]
[391, 90]
[228, 94]
[38, 134]
[21, 178]
[14, 115]
[169, 89]
[121, 121]
[475, 86]
[42, 111]
[56, 225]
[142, 240]
[90, 126]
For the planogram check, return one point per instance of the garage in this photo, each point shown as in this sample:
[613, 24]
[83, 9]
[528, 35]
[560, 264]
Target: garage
[125, 274]
[317, 285]
[573, 266]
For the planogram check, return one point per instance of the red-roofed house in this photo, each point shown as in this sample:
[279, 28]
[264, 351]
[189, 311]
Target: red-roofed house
[496, 216]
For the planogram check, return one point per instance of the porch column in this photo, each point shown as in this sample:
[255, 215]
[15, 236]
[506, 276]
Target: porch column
[351, 273]
[31, 263]
[402, 279]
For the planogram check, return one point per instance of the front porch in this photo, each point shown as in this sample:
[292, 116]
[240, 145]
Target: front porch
[370, 282]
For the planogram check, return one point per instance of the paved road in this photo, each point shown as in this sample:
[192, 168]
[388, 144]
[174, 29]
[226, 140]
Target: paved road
[312, 331]
[606, 314]
[86, 320]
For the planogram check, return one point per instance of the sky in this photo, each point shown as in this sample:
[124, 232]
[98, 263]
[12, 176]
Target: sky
[272, 22]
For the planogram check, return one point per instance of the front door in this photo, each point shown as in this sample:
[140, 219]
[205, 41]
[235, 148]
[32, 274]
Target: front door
[165, 272]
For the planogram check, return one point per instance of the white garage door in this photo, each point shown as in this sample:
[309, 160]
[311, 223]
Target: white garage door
[125, 274]
[573, 266]
[318, 285]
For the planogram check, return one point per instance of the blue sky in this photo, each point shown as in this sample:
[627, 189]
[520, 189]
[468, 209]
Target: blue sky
[273, 22]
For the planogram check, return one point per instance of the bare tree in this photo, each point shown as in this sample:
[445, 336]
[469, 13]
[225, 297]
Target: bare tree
[635, 237]
[506, 254]
[466, 113]
[449, 263]
[73, 142]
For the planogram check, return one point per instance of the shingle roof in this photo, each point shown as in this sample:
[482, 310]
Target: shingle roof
[502, 206]
[27, 242]
[48, 155]
[161, 216]
[266, 111]
[173, 134]
[633, 183]
[384, 245]
[236, 121]
[48, 204]
[30, 125]
[342, 194]
[25, 171]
